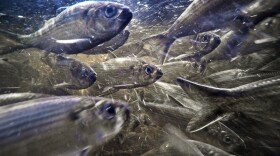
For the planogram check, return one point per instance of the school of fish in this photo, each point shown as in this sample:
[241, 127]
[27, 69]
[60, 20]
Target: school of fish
[97, 80]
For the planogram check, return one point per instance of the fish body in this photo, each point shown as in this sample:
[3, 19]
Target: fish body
[78, 28]
[264, 35]
[253, 61]
[237, 77]
[178, 116]
[122, 73]
[257, 97]
[59, 125]
[168, 94]
[69, 73]
[202, 44]
[200, 16]
[6, 99]
[179, 141]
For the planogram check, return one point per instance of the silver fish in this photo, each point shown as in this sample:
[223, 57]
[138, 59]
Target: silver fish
[200, 16]
[202, 44]
[237, 77]
[264, 35]
[181, 142]
[260, 96]
[250, 62]
[69, 73]
[216, 134]
[121, 73]
[168, 94]
[229, 41]
[68, 125]
[78, 28]
[260, 9]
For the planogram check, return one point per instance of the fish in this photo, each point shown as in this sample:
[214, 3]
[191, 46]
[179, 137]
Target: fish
[6, 99]
[71, 73]
[259, 10]
[237, 77]
[259, 97]
[78, 28]
[200, 16]
[216, 134]
[121, 73]
[203, 43]
[264, 35]
[251, 62]
[181, 142]
[224, 51]
[168, 94]
[65, 125]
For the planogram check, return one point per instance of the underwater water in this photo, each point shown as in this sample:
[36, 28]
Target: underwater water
[146, 77]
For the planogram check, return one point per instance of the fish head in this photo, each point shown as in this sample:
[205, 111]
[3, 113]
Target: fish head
[146, 73]
[101, 119]
[83, 75]
[225, 137]
[107, 20]
[206, 42]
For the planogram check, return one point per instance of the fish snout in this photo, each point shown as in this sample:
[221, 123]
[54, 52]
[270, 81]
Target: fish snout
[126, 14]
[92, 77]
[159, 73]
[125, 110]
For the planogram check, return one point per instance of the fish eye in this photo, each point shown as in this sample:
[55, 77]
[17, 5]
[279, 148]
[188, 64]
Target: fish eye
[227, 139]
[110, 11]
[149, 70]
[205, 38]
[84, 73]
[109, 111]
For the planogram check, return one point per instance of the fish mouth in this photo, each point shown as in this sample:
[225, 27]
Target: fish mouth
[125, 16]
[92, 77]
[159, 74]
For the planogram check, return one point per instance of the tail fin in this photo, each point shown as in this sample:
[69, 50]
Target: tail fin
[9, 42]
[157, 47]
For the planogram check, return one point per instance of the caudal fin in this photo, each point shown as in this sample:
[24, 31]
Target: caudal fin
[9, 42]
[157, 47]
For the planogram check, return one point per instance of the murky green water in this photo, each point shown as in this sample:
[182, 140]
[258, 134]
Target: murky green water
[199, 77]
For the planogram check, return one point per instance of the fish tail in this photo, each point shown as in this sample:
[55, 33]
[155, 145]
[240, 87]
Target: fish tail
[10, 42]
[157, 46]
